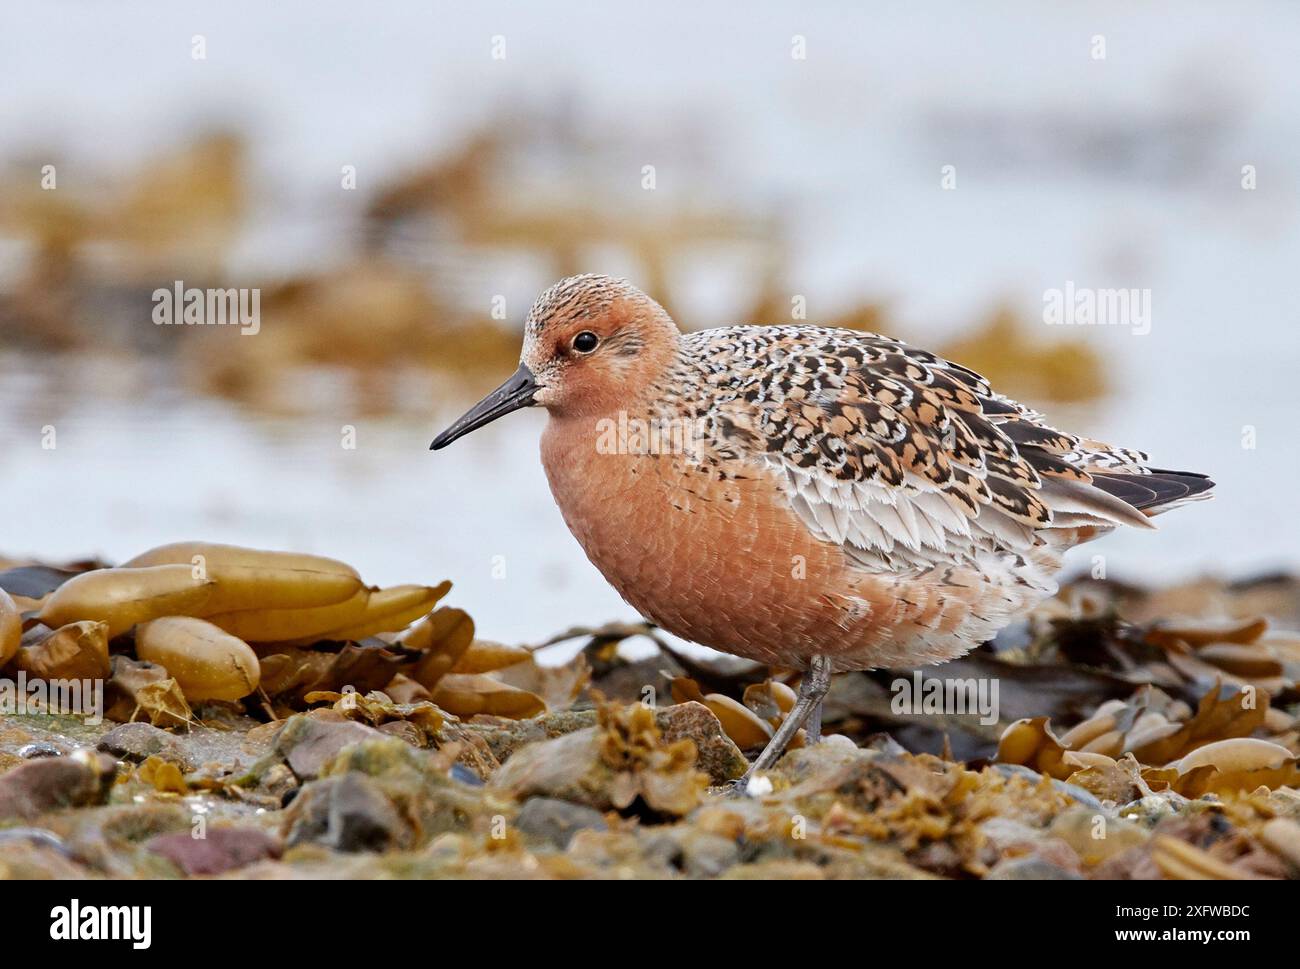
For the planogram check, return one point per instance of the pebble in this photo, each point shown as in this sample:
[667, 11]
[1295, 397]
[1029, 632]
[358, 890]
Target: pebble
[48, 783]
[348, 812]
[717, 754]
[760, 785]
[1074, 791]
[220, 850]
[1283, 836]
[1094, 837]
[557, 821]
[40, 749]
[461, 773]
[38, 836]
[307, 743]
[839, 740]
[1029, 869]
[698, 854]
[137, 742]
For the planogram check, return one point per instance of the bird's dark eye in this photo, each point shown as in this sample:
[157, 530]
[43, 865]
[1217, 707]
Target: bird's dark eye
[586, 341]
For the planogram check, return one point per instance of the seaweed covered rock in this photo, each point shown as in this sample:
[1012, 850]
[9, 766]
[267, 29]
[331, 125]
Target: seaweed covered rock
[621, 760]
[383, 795]
[716, 753]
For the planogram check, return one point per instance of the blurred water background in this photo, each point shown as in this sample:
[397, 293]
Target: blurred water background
[478, 177]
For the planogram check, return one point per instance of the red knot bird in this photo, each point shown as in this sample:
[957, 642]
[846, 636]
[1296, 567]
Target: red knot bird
[812, 498]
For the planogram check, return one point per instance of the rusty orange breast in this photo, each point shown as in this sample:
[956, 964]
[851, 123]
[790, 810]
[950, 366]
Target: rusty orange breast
[709, 551]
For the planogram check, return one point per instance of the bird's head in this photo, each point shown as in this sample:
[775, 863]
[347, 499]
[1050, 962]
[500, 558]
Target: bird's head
[592, 344]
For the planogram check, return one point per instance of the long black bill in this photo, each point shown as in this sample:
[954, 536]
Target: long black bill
[515, 393]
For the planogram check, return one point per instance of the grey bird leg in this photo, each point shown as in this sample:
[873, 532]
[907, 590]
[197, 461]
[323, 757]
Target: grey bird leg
[808, 710]
[812, 727]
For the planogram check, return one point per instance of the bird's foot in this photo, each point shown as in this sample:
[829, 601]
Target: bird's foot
[753, 784]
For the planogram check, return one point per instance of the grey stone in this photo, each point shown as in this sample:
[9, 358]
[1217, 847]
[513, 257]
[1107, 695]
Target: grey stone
[1074, 791]
[137, 742]
[1029, 869]
[698, 854]
[347, 812]
[220, 850]
[41, 749]
[49, 783]
[307, 743]
[719, 757]
[557, 821]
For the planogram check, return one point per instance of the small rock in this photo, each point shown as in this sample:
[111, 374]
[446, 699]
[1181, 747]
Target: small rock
[417, 783]
[1095, 837]
[883, 743]
[1030, 869]
[476, 755]
[49, 783]
[361, 818]
[27, 860]
[938, 857]
[1011, 839]
[279, 783]
[1114, 783]
[222, 849]
[1080, 794]
[718, 755]
[307, 743]
[732, 818]
[557, 821]
[760, 785]
[504, 736]
[37, 836]
[1155, 807]
[1283, 836]
[41, 749]
[609, 766]
[776, 869]
[1074, 791]
[347, 812]
[622, 852]
[404, 730]
[567, 768]
[137, 742]
[825, 766]
[698, 854]
[1007, 834]
[840, 741]
[459, 772]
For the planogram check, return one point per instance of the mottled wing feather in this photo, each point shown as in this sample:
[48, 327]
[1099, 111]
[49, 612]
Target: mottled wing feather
[906, 460]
